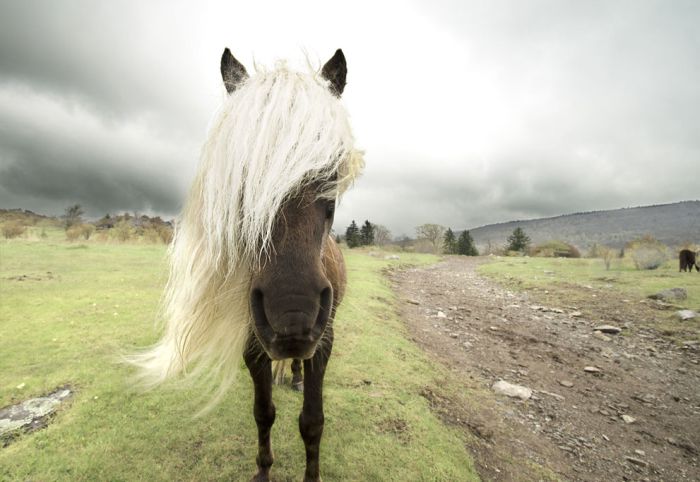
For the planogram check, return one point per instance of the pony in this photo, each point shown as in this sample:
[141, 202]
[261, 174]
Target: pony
[687, 259]
[254, 273]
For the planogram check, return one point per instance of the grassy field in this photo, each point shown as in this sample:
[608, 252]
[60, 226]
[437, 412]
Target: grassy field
[68, 310]
[573, 281]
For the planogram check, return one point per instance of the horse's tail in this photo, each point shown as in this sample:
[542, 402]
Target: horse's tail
[278, 369]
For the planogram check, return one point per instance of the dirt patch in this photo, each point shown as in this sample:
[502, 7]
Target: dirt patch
[604, 406]
[397, 427]
[32, 277]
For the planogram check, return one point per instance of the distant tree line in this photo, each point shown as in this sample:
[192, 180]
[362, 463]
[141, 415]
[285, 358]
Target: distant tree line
[464, 244]
[123, 227]
[363, 236]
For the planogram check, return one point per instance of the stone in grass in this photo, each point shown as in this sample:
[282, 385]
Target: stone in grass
[685, 315]
[592, 369]
[636, 461]
[628, 418]
[515, 391]
[609, 329]
[31, 413]
[670, 294]
[566, 383]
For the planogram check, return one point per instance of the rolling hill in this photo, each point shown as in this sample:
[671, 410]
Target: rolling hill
[673, 224]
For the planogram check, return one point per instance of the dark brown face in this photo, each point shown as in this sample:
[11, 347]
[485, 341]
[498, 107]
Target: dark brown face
[291, 298]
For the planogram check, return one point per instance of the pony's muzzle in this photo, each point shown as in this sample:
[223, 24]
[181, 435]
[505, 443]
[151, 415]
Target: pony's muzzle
[291, 325]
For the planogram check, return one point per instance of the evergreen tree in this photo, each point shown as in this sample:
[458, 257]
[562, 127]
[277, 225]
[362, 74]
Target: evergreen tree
[465, 245]
[449, 244]
[518, 241]
[367, 234]
[352, 235]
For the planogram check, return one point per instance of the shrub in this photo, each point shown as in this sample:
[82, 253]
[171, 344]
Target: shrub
[123, 230]
[595, 251]
[422, 246]
[73, 233]
[648, 257]
[102, 236]
[647, 252]
[606, 254]
[151, 235]
[13, 229]
[86, 230]
[555, 249]
[166, 234]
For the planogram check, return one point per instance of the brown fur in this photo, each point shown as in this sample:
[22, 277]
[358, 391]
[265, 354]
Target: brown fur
[334, 266]
[294, 295]
[289, 303]
[687, 259]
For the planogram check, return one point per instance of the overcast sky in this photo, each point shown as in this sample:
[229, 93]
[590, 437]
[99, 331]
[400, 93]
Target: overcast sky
[469, 112]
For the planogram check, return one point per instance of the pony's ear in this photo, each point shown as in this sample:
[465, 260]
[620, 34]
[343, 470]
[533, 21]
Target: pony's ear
[232, 71]
[335, 71]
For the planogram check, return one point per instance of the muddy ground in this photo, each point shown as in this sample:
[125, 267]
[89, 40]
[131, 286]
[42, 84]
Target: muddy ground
[572, 427]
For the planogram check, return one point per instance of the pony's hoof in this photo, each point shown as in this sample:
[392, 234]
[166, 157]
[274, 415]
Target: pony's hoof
[260, 477]
[298, 387]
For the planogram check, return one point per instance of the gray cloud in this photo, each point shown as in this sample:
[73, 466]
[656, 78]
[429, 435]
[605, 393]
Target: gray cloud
[66, 155]
[470, 112]
[111, 58]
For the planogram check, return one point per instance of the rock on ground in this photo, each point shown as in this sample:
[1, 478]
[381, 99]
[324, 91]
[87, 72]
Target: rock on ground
[609, 329]
[30, 412]
[685, 315]
[670, 294]
[516, 391]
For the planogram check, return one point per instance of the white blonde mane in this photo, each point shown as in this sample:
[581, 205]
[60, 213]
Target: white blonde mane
[274, 134]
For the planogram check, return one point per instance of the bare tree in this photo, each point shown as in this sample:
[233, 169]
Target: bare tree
[382, 235]
[432, 233]
[73, 215]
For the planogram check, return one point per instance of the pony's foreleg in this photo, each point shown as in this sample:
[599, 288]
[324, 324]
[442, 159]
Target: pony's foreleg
[297, 377]
[260, 367]
[311, 418]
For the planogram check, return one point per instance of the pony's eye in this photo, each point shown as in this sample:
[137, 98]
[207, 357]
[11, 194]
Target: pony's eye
[330, 209]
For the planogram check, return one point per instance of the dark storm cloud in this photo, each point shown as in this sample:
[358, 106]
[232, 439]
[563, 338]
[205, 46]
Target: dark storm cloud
[66, 155]
[90, 112]
[38, 175]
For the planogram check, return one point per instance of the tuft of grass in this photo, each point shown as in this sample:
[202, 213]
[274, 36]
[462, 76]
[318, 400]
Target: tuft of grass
[572, 281]
[79, 309]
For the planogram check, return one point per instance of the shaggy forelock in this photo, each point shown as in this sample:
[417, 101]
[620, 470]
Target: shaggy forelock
[277, 132]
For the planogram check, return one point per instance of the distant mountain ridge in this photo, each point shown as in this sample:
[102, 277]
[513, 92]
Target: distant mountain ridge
[673, 224]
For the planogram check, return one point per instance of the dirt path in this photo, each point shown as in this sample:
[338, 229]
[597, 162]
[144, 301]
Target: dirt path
[573, 423]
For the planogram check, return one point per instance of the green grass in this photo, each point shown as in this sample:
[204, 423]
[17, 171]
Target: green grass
[570, 281]
[81, 305]
[622, 275]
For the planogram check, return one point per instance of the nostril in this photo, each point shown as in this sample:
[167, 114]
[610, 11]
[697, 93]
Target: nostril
[257, 307]
[256, 297]
[326, 299]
